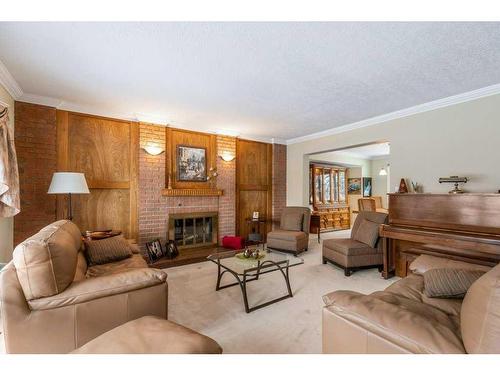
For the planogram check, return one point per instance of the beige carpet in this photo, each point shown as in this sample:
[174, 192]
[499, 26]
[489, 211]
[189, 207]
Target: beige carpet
[289, 326]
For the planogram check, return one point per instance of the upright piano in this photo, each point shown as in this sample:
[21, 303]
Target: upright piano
[456, 226]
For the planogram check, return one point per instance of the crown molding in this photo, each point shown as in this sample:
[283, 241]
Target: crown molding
[10, 84]
[425, 107]
[40, 100]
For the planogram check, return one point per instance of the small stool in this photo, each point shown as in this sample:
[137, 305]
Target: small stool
[150, 335]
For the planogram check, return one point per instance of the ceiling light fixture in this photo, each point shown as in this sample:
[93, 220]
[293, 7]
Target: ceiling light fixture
[383, 171]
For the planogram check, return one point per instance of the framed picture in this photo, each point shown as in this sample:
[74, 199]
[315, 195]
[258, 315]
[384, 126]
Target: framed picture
[191, 164]
[354, 186]
[367, 186]
[154, 250]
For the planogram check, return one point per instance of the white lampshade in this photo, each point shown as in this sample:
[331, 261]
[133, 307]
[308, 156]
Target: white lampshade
[382, 172]
[68, 182]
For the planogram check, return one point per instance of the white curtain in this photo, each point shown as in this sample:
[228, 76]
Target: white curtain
[9, 176]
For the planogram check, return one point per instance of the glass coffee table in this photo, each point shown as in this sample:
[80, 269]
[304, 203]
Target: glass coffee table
[246, 270]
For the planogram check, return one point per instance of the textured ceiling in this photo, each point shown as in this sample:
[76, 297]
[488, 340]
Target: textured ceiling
[268, 80]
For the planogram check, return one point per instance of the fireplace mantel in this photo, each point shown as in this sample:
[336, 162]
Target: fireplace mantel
[192, 192]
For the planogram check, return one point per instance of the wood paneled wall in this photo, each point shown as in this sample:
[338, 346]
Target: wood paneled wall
[106, 150]
[254, 162]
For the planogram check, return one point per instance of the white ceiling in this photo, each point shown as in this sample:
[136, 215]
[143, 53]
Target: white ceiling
[373, 151]
[261, 80]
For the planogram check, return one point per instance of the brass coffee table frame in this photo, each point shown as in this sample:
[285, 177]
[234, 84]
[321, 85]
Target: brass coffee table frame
[252, 274]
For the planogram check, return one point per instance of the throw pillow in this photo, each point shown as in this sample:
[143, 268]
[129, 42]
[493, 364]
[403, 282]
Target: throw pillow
[367, 233]
[107, 250]
[292, 222]
[449, 282]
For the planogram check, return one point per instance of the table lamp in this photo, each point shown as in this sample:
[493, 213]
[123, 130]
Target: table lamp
[68, 183]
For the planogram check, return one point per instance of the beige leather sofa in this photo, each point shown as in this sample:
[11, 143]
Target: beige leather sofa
[401, 319]
[293, 233]
[350, 253]
[52, 302]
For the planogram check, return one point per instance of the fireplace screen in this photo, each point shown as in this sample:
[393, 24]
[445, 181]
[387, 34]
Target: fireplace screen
[193, 230]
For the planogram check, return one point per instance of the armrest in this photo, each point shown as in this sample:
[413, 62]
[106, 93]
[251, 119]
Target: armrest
[102, 286]
[415, 326]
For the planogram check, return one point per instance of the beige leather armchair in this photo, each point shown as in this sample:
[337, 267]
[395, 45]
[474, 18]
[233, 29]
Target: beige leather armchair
[402, 319]
[293, 234]
[52, 302]
[362, 250]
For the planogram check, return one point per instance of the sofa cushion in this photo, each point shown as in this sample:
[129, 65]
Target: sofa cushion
[449, 282]
[412, 287]
[134, 262]
[286, 235]
[367, 232]
[412, 325]
[292, 221]
[46, 262]
[480, 318]
[150, 335]
[107, 250]
[424, 263]
[347, 246]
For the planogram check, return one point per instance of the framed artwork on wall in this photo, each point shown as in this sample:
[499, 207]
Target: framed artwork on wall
[354, 186]
[191, 163]
[367, 186]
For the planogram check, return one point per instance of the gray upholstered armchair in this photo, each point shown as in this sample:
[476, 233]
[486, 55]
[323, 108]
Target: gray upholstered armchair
[362, 250]
[293, 233]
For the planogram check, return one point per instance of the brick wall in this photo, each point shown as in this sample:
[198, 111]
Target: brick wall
[279, 180]
[227, 182]
[155, 208]
[35, 140]
[152, 205]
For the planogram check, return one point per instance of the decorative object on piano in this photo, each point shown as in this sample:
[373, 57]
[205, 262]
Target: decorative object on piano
[191, 163]
[171, 250]
[403, 188]
[154, 250]
[354, 186]
[367, 186]
[417, 188]
[454, 180]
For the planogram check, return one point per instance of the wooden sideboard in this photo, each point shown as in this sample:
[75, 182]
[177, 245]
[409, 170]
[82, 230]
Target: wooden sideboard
[332, 218]
[455, 226]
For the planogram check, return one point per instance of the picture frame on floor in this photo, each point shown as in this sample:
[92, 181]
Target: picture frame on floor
[155, 250]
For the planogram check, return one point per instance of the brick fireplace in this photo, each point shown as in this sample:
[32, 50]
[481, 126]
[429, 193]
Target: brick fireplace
[155, 209]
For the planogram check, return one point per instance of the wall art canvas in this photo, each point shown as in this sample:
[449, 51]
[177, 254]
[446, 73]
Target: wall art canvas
[367, 186]
[354, 186]
[191, 163]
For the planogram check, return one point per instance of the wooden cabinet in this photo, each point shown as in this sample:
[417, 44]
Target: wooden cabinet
[328, 187]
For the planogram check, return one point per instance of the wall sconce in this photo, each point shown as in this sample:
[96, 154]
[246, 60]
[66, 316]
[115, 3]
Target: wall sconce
[153, 149]
[227, 156]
